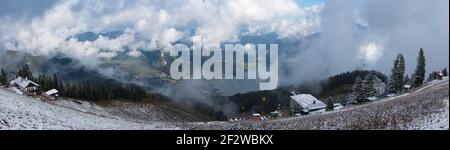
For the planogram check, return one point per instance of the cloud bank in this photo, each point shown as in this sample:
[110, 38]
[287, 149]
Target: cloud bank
[365, 34]
[369, 34]
[149, 25]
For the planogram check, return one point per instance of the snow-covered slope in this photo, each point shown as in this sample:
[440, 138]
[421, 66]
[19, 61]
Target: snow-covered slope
[424, 109]
[21, 112]
[435, 121]
[438, 120]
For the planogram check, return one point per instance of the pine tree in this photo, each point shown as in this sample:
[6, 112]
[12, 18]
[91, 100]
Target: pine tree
[25, 72]
[61, 87]
[419, 74]
[392, 78]
[20, 74]
[357, 93]
[396, 81]
[330, 105]
[433, 76]
[368, 88]
[444, 72]
[407, 80]
[55, 84]
[3, 78]
[400, 74]
[88, 91]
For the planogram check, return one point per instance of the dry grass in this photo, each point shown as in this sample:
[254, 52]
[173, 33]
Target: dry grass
[393, 114]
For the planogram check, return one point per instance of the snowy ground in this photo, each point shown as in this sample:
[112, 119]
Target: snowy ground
[26, 113]
[425, 109]
[437, 121]
[151, 112]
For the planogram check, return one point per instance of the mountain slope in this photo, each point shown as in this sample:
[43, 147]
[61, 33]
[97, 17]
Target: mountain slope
[21, 112]
[425, 109]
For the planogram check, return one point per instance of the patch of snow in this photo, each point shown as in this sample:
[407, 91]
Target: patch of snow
[22, 112]
[435, 121]
[15, 90]
[427, 108]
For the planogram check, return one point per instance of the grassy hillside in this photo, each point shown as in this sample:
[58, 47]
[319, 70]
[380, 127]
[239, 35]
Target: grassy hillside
[426, 108]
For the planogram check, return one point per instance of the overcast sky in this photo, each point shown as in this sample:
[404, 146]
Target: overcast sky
[393, 26]
[20, 8]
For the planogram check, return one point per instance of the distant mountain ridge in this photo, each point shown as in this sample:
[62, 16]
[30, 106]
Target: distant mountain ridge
[91, 36]
[150, 68]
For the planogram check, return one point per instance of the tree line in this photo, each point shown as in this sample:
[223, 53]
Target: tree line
[342, 83]
[435, 74]
[397, 80]
[86, 90]
[363, 88]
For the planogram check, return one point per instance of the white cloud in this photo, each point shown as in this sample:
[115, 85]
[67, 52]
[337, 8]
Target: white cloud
[370, 52]
[170, 36]
[107, 55]
[134, 53]
[395, 26]
[116, 45]
[152, 25]
[408, 25]
[225, 20]
[306, 24]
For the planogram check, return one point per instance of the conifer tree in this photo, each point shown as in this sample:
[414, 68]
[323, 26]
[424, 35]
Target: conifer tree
[444, 72]
[396, 80]
[432, 76]
[400, 74]
[407, 80]
[368, 88]
[3, 78]
[25, 72]
[357, 93]
[419, 74]
[330, 105]
[55, 80]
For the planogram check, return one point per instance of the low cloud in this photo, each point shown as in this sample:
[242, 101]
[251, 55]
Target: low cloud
[353, 34]
[149, 25]
[369, 34]
[405, 26]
